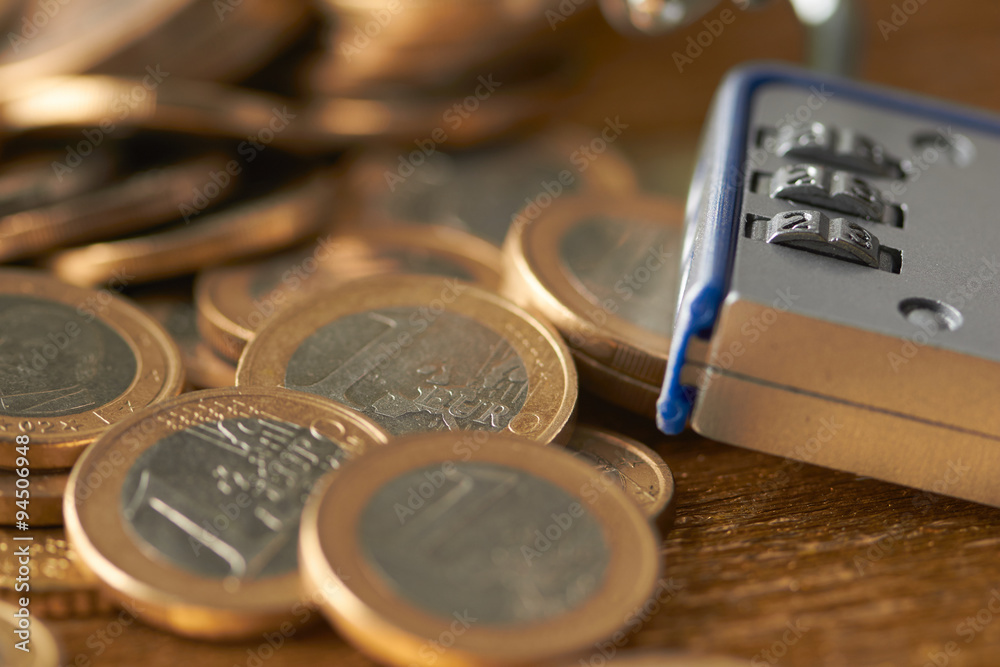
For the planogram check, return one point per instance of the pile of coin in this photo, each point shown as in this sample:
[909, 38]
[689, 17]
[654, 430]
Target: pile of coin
[254, 374]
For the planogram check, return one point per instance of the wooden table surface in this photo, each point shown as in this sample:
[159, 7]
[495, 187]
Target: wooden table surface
[773, 562]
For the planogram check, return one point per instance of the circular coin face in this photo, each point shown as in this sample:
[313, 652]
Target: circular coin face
[631, 466]
[417, 353]
[41, 648]
[481, 191]
[234, 301]
[72, 362]
[507, 552]
[605, 272]
[190, 510]
[44, 500]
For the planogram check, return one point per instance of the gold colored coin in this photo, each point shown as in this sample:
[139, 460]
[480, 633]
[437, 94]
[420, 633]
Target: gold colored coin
[140, 201]
[203, 368]
[174, 39]
[616, 387]
[504, 551]
[234, 301]
[72, 362]
[482, 190]
[604, 271]
[191, 509]
[318, 126]
[632, 466]
[430, 44]
[27, 181]
[40, 648]
[43, 491]
[61, 585]
[260, 225]
[420, 353]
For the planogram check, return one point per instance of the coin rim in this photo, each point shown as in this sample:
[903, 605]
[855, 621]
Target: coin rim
[532, 277]
[265, 359]
[667, 497]
[165, 595]
[155, 354]
[216, 316]
[363, 606]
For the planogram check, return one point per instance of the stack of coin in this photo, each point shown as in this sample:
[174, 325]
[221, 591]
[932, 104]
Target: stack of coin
[234, 301]
[604, 270]
[73, 361]
[397, 446]
[419, 353]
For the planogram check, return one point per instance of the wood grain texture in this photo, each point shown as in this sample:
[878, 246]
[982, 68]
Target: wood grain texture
[852, 572]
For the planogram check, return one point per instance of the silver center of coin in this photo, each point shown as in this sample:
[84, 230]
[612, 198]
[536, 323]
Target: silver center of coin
[223, 499]
[413, 371]
[55, 361]
[627, 268]
[481, 191]
[484, 541]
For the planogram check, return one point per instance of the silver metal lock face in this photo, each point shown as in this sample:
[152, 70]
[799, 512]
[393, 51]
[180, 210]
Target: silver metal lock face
[859, 324]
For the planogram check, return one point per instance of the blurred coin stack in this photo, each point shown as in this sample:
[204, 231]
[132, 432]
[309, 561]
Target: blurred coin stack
[295, 306]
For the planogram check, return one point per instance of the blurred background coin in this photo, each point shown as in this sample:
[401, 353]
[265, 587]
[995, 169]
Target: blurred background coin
[604, 270]
[218, 40]
[520, 553]
[234, 301]
[265, 223]
[33, 180]
[483, 190]
[72, 362]
[41, 650]
[61, 586]
[141, 201]
[191, 509]
[632, 466]
[45, 495]
[421, 353]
